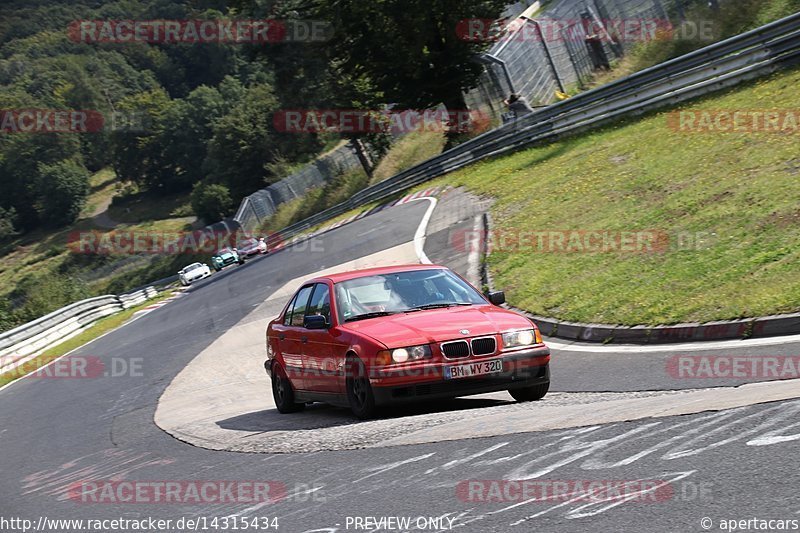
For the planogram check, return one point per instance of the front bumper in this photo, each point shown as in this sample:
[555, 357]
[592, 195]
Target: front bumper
[521, 369]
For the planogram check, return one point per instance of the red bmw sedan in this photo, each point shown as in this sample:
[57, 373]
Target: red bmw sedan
[369, 338]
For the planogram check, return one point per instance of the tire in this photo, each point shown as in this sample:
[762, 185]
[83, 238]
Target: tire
[359, 391]
[217, 269]
[530, 394]
[283, 393]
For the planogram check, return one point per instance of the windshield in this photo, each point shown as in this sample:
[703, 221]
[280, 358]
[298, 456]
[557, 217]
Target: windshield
[399, 292]
[192, 267]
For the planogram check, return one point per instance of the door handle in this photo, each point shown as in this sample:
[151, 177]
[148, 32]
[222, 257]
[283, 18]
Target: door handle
[304, 339]
[281, 336]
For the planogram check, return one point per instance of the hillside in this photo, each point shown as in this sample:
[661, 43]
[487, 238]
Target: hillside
[725, 203]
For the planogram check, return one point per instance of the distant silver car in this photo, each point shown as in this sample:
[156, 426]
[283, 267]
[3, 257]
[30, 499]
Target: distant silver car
[193, 272]
[252, 246]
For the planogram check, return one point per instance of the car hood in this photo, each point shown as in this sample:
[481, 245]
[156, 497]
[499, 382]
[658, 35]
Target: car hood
[438, 325]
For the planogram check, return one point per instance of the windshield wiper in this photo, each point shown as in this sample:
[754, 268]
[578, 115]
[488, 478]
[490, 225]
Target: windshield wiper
[438, 306]
[370, 315]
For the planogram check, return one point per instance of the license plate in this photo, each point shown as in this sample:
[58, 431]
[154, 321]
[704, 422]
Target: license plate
[481, 368]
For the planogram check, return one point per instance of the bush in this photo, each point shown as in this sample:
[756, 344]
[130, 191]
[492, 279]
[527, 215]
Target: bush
[8, 220]
[41, 294]
[211, 202]
[65, 185]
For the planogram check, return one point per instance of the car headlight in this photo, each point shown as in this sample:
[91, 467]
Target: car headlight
[403, 355]
[515, 339]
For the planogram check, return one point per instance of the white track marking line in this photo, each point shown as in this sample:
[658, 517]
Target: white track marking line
[673, 347]
[473, 259]
[392, 466]
[419, 236]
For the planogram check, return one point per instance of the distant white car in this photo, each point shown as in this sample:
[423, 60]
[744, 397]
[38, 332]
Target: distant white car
[252, 246]
[193, 272]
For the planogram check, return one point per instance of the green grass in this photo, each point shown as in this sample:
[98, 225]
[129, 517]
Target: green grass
[413, 148]
[315, 200]
[102, 187]
[732, 19]
[148, 207]
[741, 189]
[34, 265]
[104, 325]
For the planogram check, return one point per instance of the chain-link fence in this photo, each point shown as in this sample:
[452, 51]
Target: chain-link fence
[263, 203]
[561, 47]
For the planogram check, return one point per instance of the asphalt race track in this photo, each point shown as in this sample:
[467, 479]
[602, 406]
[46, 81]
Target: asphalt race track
[718, 464]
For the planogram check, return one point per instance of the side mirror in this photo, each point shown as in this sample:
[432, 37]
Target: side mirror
[315, 322]
[496, 297]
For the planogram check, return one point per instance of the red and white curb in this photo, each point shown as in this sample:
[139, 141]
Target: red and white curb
[430, 192]
[156, 305]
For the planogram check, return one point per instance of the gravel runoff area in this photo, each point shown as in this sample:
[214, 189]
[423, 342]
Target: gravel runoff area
[332, 428]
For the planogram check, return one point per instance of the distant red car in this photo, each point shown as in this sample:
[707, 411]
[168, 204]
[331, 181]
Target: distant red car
[387, 335]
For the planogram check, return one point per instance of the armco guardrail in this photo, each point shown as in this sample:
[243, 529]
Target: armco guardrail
[21, 343]
[724, 64]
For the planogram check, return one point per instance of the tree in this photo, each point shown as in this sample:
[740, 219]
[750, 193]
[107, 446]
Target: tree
[245, 143]
[8, 221]
[65, 186]
[409, 49]
[211, 202]
[139, 155]
[188, 128]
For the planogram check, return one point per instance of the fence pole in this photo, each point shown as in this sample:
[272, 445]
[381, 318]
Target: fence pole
[547, 53]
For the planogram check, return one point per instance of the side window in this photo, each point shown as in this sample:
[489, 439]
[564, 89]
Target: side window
[287, 319]
[320, 302]
[300, 306]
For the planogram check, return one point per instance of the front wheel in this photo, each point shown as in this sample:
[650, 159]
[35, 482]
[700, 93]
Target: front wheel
[359, 390]
[282, 392]
[530, 394]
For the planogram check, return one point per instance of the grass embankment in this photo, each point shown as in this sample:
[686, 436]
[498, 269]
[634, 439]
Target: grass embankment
[104, 325]
[739, 191]
[413, 148]
[39, 273]
[702, 26]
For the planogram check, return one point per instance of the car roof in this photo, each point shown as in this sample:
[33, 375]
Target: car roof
[352, 274]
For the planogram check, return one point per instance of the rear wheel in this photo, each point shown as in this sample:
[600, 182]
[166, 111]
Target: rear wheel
[282, 392]
[530, 394]
[359, 390]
